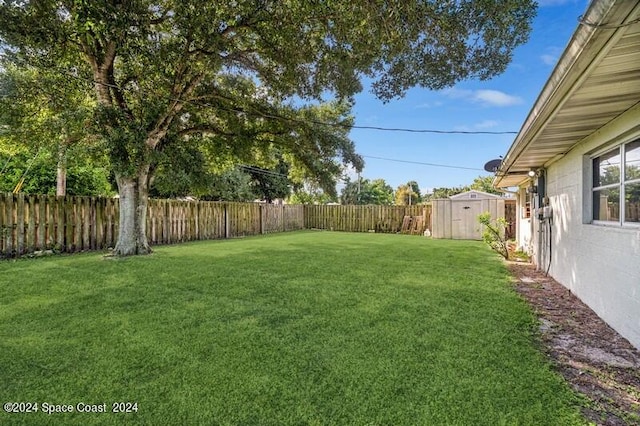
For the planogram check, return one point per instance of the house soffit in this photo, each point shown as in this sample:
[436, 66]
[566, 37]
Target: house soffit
[601, 83]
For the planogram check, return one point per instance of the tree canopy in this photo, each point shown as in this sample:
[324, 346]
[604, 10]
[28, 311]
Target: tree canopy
[481, 183]
[43, 112]
[408, 194]
[365, 191]
[248, 76]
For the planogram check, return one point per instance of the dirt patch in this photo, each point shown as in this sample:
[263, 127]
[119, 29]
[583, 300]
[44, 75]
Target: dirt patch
[596, 361]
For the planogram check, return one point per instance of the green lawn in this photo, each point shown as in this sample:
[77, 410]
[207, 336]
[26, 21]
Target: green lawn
[302, 328]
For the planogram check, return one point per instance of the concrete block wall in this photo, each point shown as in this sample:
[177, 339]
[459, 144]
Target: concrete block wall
[598, 263]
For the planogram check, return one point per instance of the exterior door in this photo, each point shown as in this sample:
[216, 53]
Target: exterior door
[464, 220]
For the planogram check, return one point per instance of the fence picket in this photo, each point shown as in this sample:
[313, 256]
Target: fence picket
[38, 222]
[31, 224]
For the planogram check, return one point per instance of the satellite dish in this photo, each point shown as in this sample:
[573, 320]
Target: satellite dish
[493, 165]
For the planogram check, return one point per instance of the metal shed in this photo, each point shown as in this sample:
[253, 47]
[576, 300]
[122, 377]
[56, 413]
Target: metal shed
[456, 217]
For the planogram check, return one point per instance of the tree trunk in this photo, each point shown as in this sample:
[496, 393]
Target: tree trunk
[61, 171]
[134, 195]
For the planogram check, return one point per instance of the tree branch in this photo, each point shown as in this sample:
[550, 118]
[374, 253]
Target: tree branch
[175, 106]
[205, 129]
[102, 68]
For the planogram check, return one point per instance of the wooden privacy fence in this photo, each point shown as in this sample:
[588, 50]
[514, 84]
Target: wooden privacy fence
[366, 218]
[172, 221]
[510, 217]
[30, 223]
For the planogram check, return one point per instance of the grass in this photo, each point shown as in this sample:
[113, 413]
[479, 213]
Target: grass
[302, 328]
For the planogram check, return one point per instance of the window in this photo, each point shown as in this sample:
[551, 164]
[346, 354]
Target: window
[616, 185]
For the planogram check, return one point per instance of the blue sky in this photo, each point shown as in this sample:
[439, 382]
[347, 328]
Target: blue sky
[500, 104]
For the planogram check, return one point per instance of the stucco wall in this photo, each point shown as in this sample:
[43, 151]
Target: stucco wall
[600, 264]
[523, 227]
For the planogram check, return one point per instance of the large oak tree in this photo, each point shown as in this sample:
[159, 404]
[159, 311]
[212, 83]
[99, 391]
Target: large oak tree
[235, 73]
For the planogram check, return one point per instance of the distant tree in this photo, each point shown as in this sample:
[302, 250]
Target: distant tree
[308, 192]
[301, 196]
[83, 175]
[484, 184]
[365, 191]
[231, 185]
[381, 193]
[408, 194]
[270, 183]
[481, 183]
[350, 192]
[43, 111]
[447, 192]
[181, 170]
[184, 171]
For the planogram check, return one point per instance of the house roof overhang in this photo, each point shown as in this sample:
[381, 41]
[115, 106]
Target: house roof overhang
[596, 79]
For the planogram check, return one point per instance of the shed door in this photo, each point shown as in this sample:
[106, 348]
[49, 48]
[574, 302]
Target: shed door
[464, 220]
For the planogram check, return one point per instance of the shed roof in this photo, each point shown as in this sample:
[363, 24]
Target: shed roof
[473, 194]
[596, 79]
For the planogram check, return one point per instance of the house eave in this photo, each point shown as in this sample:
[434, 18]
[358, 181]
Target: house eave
[595, 81]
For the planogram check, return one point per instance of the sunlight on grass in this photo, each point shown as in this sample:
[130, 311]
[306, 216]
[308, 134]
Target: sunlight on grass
[301, 328]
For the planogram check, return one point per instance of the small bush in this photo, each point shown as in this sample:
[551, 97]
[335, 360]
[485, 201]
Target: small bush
[494, 233]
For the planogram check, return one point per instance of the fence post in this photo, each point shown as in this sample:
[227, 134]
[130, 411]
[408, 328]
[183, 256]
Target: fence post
[226, 221]
[261, 210]
[8, 227]
[198, 236]
[20, 217]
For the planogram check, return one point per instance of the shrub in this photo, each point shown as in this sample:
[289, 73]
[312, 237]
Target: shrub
[494, 233]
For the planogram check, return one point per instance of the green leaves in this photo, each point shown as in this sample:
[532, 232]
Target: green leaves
[365, 191]
[408, 194]
[294, 48]
[124, 139]
[494, 233]
[248, 76]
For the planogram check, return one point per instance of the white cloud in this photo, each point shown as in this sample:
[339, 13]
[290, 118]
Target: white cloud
[483, 125]
[455, 93]
[548, 59]
[551, 56]
[427, 105]
[370, 120]
[495, 98]
[486, 124]
[485, 97]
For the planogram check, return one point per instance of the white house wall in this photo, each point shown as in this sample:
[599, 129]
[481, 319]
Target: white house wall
[600, 264]
[523, 224]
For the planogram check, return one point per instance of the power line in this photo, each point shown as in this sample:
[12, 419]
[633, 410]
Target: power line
[443, 132]
[318, 122]
[278, 117]
[259, 170]
[422, 163]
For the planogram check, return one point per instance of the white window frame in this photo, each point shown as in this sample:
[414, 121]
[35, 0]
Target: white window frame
[621, 185]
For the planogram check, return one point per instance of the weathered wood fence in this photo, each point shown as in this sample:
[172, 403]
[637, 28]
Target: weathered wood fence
[510, 217]
[30, 223]
[363, 218]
